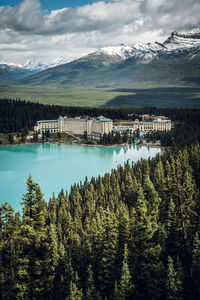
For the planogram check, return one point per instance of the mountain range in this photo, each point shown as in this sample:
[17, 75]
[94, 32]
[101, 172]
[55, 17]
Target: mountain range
[12, 72]
[176, 61]
[36, 66]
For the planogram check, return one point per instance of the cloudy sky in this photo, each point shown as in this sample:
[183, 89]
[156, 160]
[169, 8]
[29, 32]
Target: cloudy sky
[47, 29]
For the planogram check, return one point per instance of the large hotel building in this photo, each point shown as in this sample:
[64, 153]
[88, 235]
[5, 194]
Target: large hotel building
[101, 125]
[158, 124]
[77, 126]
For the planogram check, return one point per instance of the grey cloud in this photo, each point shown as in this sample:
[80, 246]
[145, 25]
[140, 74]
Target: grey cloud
[102, 16]
[28, 18]
[23, 17]
[171, 14]
[27, 32]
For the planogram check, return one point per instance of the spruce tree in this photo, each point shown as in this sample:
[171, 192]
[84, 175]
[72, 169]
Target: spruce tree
[33, 242]
[196, 265]
[173, 283]
[125, 284]
[91, 292]
[108, 254]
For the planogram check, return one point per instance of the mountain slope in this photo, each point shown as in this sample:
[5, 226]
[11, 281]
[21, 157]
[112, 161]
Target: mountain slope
[172, 62]
[12, 72]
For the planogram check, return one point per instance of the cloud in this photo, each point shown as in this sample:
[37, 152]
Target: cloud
[27, 17]
[23, 17]
[28, 32]
[172, 15]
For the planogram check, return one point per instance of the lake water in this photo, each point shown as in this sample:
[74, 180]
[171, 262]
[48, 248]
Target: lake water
[56, 166]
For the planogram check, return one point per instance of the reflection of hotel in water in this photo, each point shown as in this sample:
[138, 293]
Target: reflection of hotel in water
[111, 151]
[132, 154]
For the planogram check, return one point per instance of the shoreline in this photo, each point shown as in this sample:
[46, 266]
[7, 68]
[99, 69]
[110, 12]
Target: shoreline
[82, 144]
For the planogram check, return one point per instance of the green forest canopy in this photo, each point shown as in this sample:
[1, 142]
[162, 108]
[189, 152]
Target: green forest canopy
[131, 234]
[17, 116]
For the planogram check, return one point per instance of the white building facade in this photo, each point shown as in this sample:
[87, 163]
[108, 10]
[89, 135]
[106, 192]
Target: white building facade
[155, 125]
[78, 126]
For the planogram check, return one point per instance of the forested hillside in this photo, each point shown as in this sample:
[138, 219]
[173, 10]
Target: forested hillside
[133, 234]
[16, 115]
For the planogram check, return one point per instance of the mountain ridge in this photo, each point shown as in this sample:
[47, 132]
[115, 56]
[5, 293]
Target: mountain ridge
[12, 72]
[169, 62]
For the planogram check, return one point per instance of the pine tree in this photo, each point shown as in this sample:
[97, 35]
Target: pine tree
[33, 242]
[75, 293]
[91, 292]
[125, 284]
[153, 200]
[109, 250]
[173, 283]
[116, 295]
[124, 232]
[188, 206]
[130, 188]
[9, 250]
[53, 256]
[145, 249]
[194, 160]
[196, 265]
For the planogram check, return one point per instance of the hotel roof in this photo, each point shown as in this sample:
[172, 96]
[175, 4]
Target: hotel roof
[103, 119]
[121, 129]
[75, 120]
[47, 121]
[154, 121]
[98, 119]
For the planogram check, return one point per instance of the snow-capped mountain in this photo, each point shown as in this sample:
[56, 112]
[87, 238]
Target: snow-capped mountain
[144, 53]
[141, 52]
[176, 60]
[10, 72]
[33, 64]
[9, 66]
[183, 40]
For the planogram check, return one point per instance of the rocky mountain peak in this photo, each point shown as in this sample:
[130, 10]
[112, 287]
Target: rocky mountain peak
[183, 39]
[139, 52]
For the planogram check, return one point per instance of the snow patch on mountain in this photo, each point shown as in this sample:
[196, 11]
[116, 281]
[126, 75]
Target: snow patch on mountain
[9, 66]
[127, 51]
[141, 52]
[176, 44]
[183, 39]
[33, 64]
[121, 51]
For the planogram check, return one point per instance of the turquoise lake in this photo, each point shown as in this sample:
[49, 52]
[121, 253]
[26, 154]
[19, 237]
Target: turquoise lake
[56, 166]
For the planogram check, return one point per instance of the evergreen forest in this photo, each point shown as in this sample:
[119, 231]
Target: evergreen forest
[131, 234]
[20, 116]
